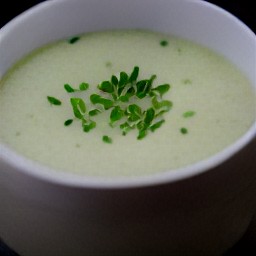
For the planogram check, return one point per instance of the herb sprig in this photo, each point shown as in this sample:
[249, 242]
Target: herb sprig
[122, 97]
[118, 91]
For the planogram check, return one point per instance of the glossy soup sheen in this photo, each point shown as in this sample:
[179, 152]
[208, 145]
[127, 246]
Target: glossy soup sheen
[203, 82]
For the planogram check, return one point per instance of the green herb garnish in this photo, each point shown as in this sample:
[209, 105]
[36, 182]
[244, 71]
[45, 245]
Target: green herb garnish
[88, 125]
[83, 86]
[97, 99]
[121, 97]
[184, 130]
[107, 139]
[54, 101]
[68, 122]
[164, 43]
[94, 112]
[156, 125]
[79, 107]
[70, 89]
[116, 114]
[74, 39]
[189, 114]
[161, 89]
[80, 112]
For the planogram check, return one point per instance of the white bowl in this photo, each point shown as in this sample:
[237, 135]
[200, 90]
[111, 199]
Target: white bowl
[201, 209]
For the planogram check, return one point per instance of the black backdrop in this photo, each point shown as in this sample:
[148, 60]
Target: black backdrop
[243, 9]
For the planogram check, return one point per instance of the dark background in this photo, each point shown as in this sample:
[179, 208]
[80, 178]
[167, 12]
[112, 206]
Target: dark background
[243, 9]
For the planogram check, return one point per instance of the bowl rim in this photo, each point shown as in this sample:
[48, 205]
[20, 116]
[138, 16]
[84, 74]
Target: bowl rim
[27, 166]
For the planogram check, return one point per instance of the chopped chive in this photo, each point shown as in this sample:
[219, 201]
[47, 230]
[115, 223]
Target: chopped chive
[54, 101]
[164, 43]
[68, 122]
[107, 139]
[184, 130]
[74, 39]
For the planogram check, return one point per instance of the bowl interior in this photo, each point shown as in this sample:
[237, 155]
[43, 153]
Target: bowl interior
[195, 20]
[198, 21]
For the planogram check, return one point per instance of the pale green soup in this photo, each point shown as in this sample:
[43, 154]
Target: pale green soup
[201, 81]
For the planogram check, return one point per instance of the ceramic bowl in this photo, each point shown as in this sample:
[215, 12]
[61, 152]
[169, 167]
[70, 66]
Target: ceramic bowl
[202, 209]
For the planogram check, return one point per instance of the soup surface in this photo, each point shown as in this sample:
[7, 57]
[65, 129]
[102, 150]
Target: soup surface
[213, 104]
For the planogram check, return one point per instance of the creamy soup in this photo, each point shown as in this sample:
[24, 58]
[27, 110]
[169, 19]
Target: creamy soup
[213, 104]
